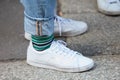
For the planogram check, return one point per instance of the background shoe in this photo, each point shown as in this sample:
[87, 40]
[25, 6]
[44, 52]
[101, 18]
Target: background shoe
[69, 27]
[65, 27]
[109, 7]
[59, 57]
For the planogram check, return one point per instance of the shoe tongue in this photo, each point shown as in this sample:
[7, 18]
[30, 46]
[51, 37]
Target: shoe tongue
[53, 44]
[62, 42]
[57, 43]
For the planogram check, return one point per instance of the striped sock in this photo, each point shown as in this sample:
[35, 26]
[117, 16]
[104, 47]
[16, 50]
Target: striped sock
[41, 43]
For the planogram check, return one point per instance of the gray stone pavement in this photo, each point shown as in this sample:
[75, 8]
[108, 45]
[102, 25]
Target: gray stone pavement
[107, 68]
[79, 6]
[103, 36]
[12, 42]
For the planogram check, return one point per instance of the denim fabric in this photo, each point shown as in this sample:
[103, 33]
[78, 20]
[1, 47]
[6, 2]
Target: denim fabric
[39, 10]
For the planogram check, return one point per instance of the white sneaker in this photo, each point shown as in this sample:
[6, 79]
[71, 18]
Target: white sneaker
[69, 27]
[66, 27]
[110, 7]
[59, 57]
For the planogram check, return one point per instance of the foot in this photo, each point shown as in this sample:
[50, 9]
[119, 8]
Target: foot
[109, 7]
[59, 57]
[66, 27]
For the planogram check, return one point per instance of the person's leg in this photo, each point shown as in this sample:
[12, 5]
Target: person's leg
[58, 9]
[39, 16]
[56, 55]
[109, 7]
[34, 10]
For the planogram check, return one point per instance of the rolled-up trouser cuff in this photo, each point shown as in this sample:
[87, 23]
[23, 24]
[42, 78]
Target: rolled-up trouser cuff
[47, 25]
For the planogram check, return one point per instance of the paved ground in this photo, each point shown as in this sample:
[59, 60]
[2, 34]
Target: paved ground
[12, 43]
[103, 36]
[108, 68]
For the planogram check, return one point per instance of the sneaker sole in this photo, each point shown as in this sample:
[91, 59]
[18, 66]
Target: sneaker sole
[85, 68]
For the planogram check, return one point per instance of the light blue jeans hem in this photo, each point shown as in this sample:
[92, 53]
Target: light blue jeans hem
[47, 26]
[39, 10]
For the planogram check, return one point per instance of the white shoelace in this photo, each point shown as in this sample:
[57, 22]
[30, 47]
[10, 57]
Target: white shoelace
[59, 20]
[64, 50]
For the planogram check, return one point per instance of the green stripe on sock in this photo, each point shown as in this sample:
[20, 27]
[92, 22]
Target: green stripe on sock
[42, 37]
[41, 48]
[39, 40]
[41, 43]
